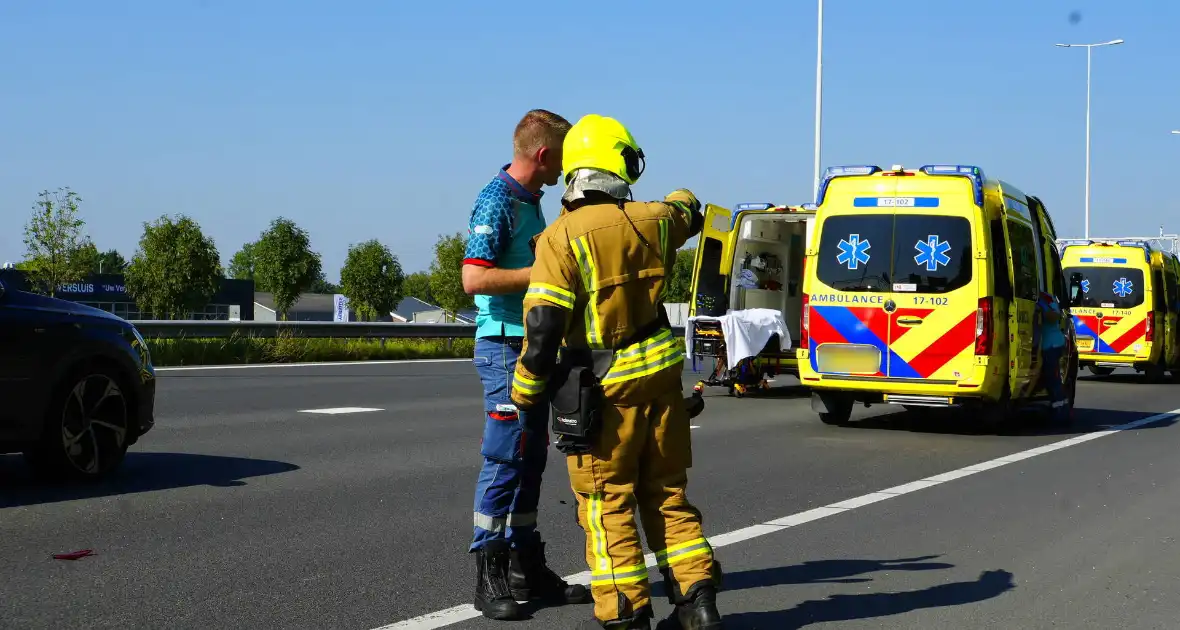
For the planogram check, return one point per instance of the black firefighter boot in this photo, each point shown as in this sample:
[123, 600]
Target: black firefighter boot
[492, 595]
[530, 578]
[697, 610]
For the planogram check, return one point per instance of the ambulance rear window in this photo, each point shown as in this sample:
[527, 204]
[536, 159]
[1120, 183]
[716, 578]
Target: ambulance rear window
[929, 254]
[1109, 287]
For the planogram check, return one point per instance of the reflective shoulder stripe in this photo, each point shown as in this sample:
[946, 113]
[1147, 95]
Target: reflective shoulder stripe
[551, 293]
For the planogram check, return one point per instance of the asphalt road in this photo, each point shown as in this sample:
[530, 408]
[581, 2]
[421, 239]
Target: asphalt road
[240, 510]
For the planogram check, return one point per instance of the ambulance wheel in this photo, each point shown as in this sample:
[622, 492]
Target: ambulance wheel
[1154, 372]
[1101, 371]
[834, 409]
[993, 414]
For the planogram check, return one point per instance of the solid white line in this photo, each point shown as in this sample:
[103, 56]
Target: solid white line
[338, 410]
[467, 611]
[185, 368]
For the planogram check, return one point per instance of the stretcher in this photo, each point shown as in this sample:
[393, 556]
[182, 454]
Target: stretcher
[741, 345]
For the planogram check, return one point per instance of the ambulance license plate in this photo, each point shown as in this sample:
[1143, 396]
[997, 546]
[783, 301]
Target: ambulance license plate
[1085, 344]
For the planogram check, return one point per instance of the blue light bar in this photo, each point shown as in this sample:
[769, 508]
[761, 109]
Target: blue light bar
[753, 206]
[833, 172]
[809, 206]
[974, 173]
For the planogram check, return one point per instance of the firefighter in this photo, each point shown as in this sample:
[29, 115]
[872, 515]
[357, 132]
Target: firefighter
[597, 286]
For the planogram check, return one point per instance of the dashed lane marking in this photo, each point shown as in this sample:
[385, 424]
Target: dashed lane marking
[338, 410]
[464, 612]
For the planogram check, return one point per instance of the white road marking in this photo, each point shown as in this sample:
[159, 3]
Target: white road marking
[338, 410]
[185, 368]
[464, 612]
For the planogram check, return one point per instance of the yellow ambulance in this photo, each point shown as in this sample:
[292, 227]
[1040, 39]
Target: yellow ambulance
[747, 257]
[1126, 315]
[921, 290]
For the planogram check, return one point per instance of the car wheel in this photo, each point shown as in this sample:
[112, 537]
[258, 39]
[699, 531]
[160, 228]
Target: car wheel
[86, 428]
[1155, 372]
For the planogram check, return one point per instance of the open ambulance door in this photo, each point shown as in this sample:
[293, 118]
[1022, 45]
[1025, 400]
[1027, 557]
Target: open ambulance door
[712, 265]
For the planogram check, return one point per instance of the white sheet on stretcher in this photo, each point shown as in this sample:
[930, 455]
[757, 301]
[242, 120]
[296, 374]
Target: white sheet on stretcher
[746, 332]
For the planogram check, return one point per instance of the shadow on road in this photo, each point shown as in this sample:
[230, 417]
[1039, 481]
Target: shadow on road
[818, 572]
[837, 608]
[1028, 423]
[141, 472]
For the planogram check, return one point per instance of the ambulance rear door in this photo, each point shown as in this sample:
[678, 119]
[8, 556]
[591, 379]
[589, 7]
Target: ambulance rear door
[711, 267]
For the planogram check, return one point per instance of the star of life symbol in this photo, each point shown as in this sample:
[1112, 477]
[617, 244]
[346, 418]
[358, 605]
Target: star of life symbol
[1123, 287]
[1085, 286]
[932, 253]
[853, 252]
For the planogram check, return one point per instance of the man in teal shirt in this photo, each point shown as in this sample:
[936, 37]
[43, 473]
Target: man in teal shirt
[507, 216]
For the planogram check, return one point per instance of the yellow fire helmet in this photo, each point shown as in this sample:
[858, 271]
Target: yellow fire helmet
[602, 143]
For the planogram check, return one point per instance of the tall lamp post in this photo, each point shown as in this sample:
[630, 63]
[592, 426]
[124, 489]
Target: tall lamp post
[1089, 48]
[819, 90]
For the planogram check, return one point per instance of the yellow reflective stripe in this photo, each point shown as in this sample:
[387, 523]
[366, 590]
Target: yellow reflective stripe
[602, 562]
[626, 575]
[664, 253]
[527, 385]
[683, 551]
[589, 270]
[646, 357]
[552, 294]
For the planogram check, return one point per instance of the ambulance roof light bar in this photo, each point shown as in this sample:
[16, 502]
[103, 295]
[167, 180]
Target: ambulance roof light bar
[833, 172]
[974, 173]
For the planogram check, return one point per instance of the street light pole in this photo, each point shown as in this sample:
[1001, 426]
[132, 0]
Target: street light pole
[819, 92]
[1089, 48]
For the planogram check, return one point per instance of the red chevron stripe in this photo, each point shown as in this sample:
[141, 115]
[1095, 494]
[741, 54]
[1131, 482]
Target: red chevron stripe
[945, 348]
[1129, 337]
[820, 331]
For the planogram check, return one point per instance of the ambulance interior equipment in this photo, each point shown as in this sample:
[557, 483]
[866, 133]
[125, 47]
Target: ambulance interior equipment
[752, 330]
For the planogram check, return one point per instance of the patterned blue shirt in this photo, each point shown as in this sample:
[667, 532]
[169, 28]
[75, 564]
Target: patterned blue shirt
[504, 220]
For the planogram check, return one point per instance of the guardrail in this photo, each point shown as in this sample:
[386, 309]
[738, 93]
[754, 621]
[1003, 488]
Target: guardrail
[220, 329]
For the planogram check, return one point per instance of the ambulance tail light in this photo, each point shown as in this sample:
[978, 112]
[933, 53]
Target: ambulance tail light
[805, 323]
[984, 328]
[1150, 333]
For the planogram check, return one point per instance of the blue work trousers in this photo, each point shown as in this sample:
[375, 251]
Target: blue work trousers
[1051, 376]
[514, 448]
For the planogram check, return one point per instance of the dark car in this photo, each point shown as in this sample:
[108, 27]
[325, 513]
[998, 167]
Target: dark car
[77, 385]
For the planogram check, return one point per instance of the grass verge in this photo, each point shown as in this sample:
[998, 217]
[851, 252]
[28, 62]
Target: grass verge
[241, 349]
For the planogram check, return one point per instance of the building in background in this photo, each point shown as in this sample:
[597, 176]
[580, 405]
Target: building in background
[234, 299]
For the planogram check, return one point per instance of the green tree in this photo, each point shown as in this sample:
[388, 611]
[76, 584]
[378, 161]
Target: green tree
[371, 279]
[176, 269]
[446, 274]
[417, 285]
[111, 261]
[284, 263]
[94, 261]
[680, 283]
[241, 266]
[322, 285]
[54, 242]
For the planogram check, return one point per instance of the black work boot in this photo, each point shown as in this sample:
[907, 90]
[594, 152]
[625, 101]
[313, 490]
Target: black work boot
[492, 595]
[696, 611]
[530, 578]
[641, 620]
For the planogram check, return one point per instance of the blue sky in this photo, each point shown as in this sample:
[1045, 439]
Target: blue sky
[383, 119]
